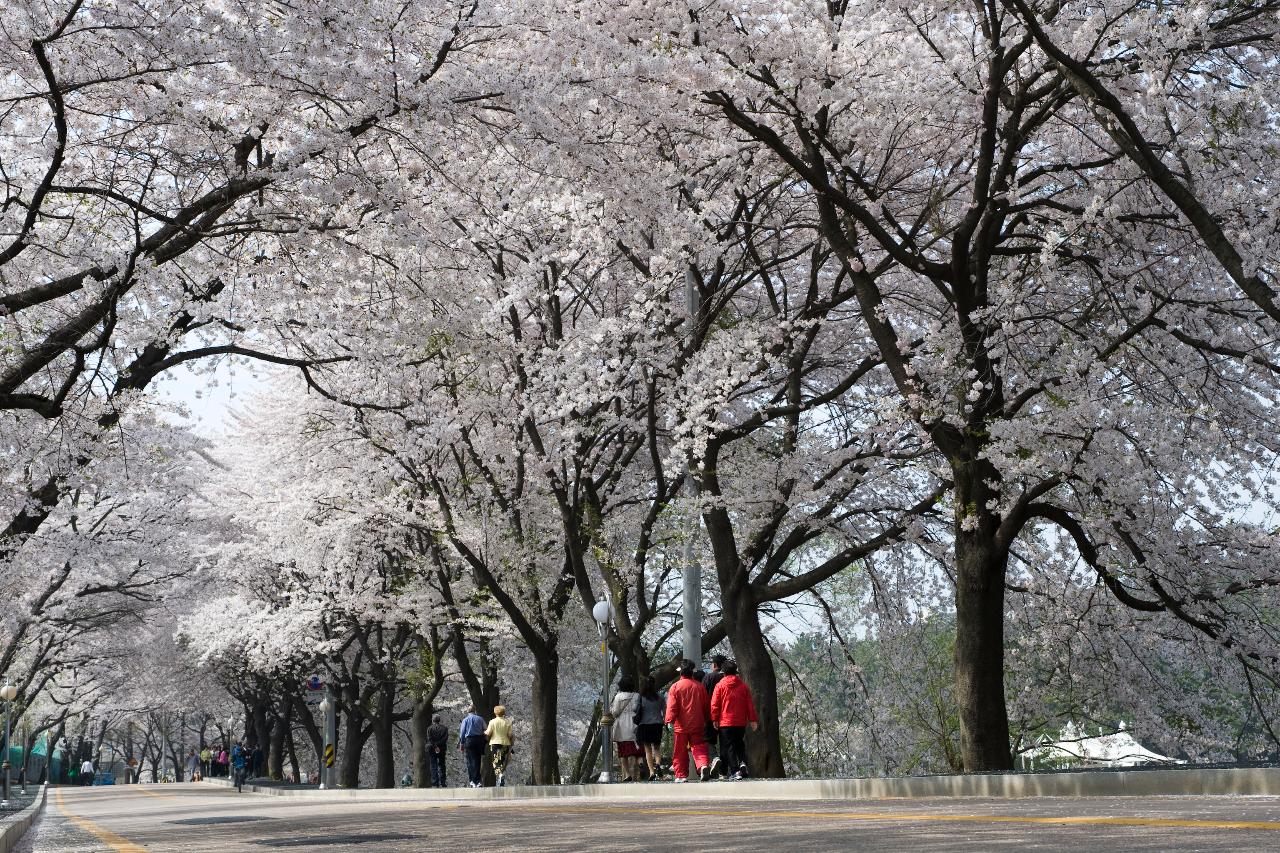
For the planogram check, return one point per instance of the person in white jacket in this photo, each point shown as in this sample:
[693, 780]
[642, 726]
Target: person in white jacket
[623, 710]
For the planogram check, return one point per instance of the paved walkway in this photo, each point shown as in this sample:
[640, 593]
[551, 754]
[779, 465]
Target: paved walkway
[17, 802]
[135, 818]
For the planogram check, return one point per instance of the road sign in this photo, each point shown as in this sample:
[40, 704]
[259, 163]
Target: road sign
[314, 693]
[328, 755]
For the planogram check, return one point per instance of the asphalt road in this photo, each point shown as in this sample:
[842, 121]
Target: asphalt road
[131, 819]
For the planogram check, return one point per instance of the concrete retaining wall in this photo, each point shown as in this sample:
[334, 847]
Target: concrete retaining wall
[1134, 783]
[13, 831]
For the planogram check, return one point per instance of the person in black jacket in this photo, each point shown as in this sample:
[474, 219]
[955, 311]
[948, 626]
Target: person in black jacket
[437, 747]
[714, 740]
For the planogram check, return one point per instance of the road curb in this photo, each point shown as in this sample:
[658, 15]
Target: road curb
[14, 830]
[1259, 781]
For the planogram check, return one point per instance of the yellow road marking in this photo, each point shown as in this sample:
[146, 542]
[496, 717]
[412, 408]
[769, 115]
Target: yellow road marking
[118, 843]
[1083, 820]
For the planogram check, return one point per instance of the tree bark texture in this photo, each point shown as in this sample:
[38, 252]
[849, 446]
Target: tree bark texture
[981, 563]
[545, 756]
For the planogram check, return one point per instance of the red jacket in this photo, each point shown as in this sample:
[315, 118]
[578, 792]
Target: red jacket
[731, 703]
[689, 707]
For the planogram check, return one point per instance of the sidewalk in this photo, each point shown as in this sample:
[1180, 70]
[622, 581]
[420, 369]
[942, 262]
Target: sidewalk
[18, 802]
[18, 814]
[1258, 781]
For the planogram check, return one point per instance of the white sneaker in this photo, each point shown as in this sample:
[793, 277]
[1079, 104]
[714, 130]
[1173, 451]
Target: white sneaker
[680, 779]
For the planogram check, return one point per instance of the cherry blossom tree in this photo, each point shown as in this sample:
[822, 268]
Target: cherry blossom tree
[1024, 289]
[155, 159]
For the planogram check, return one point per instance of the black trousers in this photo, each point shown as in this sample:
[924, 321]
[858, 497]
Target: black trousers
[435, 765]
[733, 748]
[475, 755]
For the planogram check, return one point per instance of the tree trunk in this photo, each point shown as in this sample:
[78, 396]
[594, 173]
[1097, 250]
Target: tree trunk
[418, 724]
[633, 659]
[308, 723]
[384, 752]
[384, 732]
[979, 654]
[755, 666]
[275, 750]
[293, 754]
[354, 735]
[256, 725]
[585, 764]
[545, 757]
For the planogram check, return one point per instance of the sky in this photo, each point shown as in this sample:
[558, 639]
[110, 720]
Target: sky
[210, 398]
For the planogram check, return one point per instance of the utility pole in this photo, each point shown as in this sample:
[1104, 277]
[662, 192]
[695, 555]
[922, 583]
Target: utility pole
[692, 601]
[329, 755]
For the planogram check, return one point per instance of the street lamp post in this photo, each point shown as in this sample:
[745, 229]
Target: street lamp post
[8, 693]
[602, 613]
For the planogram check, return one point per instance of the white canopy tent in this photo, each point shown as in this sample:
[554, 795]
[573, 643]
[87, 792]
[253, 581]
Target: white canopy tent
[1111, 750]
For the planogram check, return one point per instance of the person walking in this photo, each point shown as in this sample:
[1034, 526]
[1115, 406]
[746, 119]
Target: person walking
[689, 712]
[715, 745]
[206, 758]
[731, 712]
[437, 746]
[471, 743]
[256, 761]
[500, 742]
[649, 718]
[712, 678]
[223, 762]
[623, 709]
[86, 772]
[193, 766]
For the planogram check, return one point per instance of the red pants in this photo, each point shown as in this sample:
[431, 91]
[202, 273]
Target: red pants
[680, 758]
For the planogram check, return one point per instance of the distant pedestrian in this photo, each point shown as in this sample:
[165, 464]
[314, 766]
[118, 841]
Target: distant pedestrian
[500, 742]
[689, 713]
[206, 759]
[193, 766]
[256, 762]
[731, 712]
[471, 743]
[715, 746]
[623, 711]
[712, 678]
[224, 759]
[649, 718]
[86, 772]
[239, 765]
[437, 747]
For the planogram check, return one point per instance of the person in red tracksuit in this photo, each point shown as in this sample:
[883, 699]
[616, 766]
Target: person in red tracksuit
[731, 712]
[688, 712]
